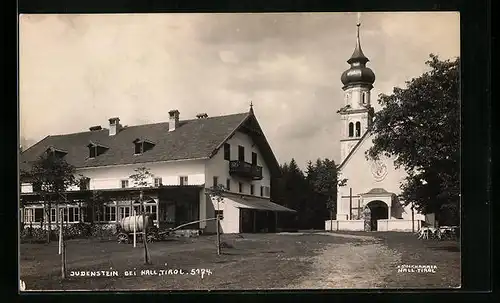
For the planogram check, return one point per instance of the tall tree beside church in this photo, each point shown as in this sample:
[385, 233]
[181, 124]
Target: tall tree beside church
[420, 126]
[323, 179]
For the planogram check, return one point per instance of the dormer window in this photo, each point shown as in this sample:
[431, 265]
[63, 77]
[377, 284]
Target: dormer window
[142, 146]
[96, 150]
[52, 151]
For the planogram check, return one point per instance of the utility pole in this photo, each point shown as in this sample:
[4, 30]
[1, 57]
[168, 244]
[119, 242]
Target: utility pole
[412, 218]
[218, 231]
[134, 213]
[350, 203]
[63, 248]
[144, 240]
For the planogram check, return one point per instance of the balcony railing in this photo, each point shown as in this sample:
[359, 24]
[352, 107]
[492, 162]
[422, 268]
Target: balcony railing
[245, 170]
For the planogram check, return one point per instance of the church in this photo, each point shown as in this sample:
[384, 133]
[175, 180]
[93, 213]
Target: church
[369, 201]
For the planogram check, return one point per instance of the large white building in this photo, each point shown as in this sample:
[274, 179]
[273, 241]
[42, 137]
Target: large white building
[186, 157]
[370, 199]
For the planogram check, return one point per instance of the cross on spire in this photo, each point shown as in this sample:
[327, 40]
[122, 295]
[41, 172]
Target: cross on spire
[251, 106]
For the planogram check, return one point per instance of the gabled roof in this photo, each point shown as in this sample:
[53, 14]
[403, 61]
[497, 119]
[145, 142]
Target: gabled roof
[192, 139]
[378, 191]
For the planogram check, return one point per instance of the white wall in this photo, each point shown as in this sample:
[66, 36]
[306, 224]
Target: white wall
[352, 96]
[231, 222]
[217, 166]
[359, 176]
[352, 225]
[398, 225]
[110, 177]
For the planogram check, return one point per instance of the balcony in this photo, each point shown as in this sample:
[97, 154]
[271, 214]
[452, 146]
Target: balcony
[245, 170]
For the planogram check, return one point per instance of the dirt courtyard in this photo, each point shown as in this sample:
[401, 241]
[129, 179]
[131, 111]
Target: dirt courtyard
[308, 260]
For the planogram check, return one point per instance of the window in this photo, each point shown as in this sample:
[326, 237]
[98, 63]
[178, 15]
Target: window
[123, 211]
[158, 182]
[71, 214]
[151, 209]
[183, 180]
[109, 213]
[262, 191]
[220, 214]
[228, 184]
[251, 189]
[268, 191]
[33, 215]
[124, 183]
[92, 151]
[138, 148]
[254, 158]
[351, 129]
[74, 214]
[358, 129]
[95, 150]
[227, 151]
[28, 215]
[240, 187]
[363, 101]
[215, 181]
[142, 146]
[85, 184]
[65, 215]
[38, 214]
[53, 215]
[241, 153]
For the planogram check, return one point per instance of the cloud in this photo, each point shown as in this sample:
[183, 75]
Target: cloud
[78, 70]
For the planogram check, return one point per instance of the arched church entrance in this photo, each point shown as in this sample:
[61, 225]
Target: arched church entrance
[375, 210]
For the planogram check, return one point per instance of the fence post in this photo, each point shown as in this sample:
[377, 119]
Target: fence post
[135, 232]
[60, 234]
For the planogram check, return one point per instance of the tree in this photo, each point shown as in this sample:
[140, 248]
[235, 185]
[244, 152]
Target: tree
[323, 179]
[50, 175]
[218, 192]
[142, 178]
[420, 127]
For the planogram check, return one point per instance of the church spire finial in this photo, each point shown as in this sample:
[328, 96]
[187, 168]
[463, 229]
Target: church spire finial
[357, 55]
[251, 106]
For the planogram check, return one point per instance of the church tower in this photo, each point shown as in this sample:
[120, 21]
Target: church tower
[357, 112]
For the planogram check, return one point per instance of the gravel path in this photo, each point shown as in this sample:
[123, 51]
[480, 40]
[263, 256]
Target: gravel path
[361, 264]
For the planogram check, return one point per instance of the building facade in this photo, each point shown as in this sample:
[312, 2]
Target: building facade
[370, 199]
[186, 158]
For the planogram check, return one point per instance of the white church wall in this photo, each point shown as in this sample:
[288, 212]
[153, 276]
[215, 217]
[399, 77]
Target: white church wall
[358, 172]
[398, 225]
[351, 225]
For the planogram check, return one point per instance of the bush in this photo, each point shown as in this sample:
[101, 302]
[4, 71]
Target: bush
[36, 234]
[102, 230]
[77, 230]
[72, 231]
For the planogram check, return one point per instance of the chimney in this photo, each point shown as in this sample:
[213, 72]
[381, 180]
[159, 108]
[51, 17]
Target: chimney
[95, 128]
[173, 122]
[202, 116]
[114, 126]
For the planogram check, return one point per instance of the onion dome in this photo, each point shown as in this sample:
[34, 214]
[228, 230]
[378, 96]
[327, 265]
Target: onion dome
[358, 73]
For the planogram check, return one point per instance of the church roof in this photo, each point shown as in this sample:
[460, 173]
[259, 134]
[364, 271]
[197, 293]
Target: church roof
[358, 73]
[377, 191]
[353, 150]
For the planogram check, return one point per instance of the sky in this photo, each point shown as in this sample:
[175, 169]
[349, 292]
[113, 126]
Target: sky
[77, 71]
